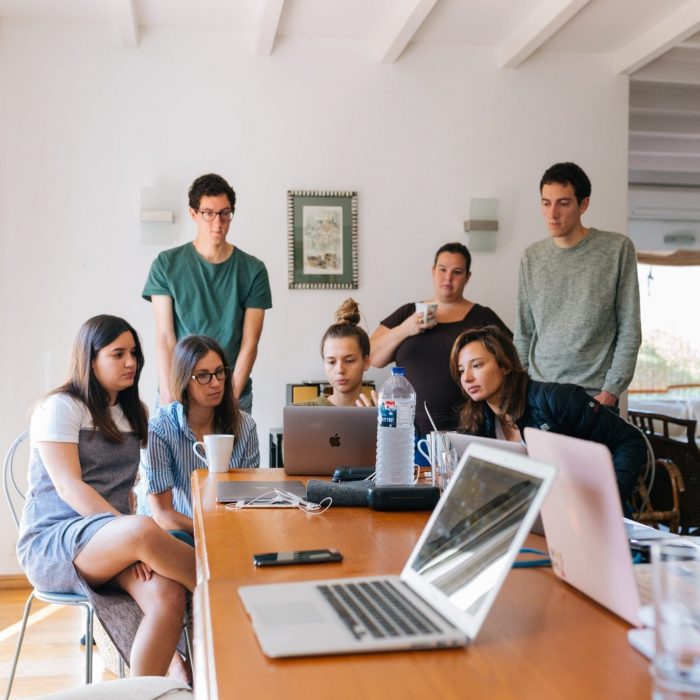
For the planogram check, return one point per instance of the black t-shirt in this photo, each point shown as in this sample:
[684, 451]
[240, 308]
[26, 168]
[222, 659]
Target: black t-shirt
[426, 358]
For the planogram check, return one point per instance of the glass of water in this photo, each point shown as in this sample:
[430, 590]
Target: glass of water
[676, 587]
[445, 468]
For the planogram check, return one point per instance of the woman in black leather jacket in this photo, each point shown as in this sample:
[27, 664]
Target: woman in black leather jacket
[502, 401]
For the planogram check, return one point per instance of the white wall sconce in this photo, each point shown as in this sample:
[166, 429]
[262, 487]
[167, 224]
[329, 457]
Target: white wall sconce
[157, 215]
[482, 225]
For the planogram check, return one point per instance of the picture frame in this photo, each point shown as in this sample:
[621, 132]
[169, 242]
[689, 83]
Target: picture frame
[322, 239]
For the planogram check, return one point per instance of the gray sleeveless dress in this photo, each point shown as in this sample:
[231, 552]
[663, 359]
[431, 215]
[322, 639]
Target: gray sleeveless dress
[52, 533]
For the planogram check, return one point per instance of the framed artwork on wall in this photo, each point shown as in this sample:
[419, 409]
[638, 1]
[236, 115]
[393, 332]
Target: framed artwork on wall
[322, 239]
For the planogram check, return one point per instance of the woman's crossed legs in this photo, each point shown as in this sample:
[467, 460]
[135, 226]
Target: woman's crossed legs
[109, 556]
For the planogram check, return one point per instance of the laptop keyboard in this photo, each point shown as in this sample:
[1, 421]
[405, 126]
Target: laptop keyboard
[376, 608]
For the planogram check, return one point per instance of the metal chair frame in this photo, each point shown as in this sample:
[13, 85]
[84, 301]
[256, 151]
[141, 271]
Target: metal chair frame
[10, 488]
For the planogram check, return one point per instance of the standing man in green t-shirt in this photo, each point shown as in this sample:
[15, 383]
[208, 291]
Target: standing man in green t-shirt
[209, 287]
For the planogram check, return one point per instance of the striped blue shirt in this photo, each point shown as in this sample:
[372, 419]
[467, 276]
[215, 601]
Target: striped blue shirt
[168, 461]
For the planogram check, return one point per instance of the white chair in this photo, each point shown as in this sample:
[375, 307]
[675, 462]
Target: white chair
[12, 491]
[141, 688]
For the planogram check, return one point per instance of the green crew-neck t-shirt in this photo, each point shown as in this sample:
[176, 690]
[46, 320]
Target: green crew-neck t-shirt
[210, 298]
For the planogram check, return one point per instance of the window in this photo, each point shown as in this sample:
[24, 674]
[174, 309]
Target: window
[668, 365]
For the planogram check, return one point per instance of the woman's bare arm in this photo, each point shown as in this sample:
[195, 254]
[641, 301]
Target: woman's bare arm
[385, 341]
[165, 515]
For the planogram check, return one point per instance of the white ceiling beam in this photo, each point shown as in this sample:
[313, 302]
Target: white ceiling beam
[667, 70]
[533, 34]
[272, 13]
[407, 24]
[127, 23]
[676, 28]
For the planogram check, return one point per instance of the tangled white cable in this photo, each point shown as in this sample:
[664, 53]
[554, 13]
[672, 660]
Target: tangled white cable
[278, 498]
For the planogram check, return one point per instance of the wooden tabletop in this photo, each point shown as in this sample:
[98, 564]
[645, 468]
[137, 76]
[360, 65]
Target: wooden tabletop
[541, 639]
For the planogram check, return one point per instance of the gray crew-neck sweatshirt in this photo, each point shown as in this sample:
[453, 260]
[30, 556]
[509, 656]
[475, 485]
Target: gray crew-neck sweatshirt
[578, 312]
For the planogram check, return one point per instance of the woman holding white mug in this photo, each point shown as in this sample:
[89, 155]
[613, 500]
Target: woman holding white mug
[205, 406]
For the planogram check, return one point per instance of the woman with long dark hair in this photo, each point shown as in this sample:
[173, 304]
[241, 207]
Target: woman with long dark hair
[502, 401]
[77, 534]
[205, 405]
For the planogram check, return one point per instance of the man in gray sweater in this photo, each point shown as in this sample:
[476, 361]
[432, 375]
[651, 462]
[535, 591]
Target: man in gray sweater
[578, 297]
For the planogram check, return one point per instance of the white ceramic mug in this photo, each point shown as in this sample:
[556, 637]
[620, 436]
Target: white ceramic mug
[217, 451]
[433, 445]
[425, 308]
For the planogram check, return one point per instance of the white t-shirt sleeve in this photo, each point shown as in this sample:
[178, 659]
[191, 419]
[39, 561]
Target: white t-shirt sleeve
[59, 418]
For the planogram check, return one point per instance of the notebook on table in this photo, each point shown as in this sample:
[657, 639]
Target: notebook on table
[447, 585]
[317, 440]
[583, 522]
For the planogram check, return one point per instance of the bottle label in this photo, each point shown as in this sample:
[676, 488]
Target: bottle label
[387, 414]
[394, 414]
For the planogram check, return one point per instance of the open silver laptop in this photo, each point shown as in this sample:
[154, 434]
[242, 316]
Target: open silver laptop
[446, 587]
[317, 440]
[461, 441]
[583, 522]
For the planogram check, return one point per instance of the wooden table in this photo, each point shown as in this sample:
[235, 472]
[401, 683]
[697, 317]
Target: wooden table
[541, 639]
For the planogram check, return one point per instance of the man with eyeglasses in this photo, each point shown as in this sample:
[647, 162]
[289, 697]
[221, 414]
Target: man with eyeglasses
[209, 287]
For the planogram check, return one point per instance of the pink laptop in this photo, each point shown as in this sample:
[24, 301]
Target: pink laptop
[583, 522]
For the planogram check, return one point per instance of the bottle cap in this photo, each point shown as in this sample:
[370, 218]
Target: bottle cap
[398, 370]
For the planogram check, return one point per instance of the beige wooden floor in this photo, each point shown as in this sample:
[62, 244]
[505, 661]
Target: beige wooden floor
[51, 658]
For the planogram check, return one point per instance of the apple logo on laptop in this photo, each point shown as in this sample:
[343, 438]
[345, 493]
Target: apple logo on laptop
[334, 441]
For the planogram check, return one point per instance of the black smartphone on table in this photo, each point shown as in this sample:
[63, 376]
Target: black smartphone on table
[303, 556]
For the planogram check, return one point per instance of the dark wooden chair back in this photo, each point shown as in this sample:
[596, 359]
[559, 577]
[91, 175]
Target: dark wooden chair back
[683, 452]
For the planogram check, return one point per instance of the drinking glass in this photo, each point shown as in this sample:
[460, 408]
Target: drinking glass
[676, 587]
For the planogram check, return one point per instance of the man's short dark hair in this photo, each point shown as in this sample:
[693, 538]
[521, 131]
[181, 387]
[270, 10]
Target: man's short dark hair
[568, 174]
[210, 186]
[457, 249]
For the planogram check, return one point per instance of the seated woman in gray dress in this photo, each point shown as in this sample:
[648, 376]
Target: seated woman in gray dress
[502, 401]
[77, 534]
[205, 406]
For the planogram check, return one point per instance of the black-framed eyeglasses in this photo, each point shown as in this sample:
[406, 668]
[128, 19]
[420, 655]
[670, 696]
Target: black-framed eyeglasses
[209, 215]
[206, 377]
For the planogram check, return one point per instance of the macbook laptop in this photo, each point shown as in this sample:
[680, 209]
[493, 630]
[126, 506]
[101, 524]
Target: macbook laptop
[258, 491]
[584, 526]
[446, 587]
[460, 441]
[318, 439]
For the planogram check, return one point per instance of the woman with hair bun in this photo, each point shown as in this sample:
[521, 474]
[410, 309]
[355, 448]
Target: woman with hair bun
[345, 353]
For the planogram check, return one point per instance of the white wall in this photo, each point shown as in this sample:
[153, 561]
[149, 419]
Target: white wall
[85, 124]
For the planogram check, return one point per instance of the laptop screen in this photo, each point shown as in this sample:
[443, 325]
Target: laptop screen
[470, 543]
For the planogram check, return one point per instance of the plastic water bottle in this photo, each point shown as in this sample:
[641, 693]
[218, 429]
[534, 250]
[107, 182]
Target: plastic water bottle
[397, 411]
